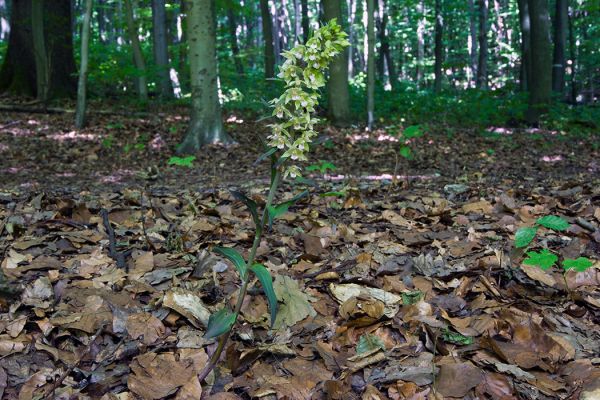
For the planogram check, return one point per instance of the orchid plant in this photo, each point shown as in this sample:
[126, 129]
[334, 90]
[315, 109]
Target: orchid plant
[289, 142]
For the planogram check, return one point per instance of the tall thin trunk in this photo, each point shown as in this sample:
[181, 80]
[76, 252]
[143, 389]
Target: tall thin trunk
[482, 81]
[573, 57]
[101, 15]
[235, 49]
[370, 64]
[420, 41]
[83, 67]
[561, 21]
[439, 46]
[267, 30]
[181, 62]
[138, 57]
[540, 85]
[206, 125]
[525, 24]
[297, 21]
[472, 42]
[40, 52]
[337, 86]
[161, 47]
[305, 20]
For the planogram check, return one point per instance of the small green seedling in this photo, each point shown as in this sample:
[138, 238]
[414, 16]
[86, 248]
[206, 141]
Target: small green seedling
[413, 131]
[182, 161]
[323, 167]
[545, 259]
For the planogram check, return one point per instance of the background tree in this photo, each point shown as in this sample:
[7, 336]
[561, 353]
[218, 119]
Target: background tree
[370, 64]
[482, 78]
[540, 81]
[138, 57]
[205, 120]
[267, 29]
[83, 66]
[161, 50]
[439, 46]
[561, 21]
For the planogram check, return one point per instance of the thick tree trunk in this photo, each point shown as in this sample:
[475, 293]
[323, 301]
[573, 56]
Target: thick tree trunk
[305, 20]
[18, 74]
[161, 48]
[561, 21]
[525, 24]
[267, 29]
[482, 81]
[420, 42]
[439, 46]
[233, 40]
[206, 125]
[540, 83]
[370, 64]
[138, 57]
[42, 58]
[83, 67]
[337, 86]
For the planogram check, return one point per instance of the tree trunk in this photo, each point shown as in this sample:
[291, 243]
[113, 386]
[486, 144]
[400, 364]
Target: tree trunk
[206, 125]
[101, 15]
[337, 86]
[472, 42]
[305, 20]
[482, 81]
[42, 59]
[525, 24]
[267, 28]
[561, 20]
[138, 57]
[161, 48]
[233, 40]
[18, 74]
[370, 64]
[420, 41]
[83, 67]
[384, 51]
[540, 83]
[573, 57]
[439, 46]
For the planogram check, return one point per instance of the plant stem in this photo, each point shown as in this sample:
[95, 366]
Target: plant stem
[243, 290]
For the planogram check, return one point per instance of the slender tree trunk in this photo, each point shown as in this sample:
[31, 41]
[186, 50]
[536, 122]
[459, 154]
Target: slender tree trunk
[482, 81]
[183, 39]
[561, 21]
[42, 58]
[420, 41]
[337, 86]
[101, 15]
[439, 46]
[206, 125]
[138, 57]
[305, 20]
[525, 24]
[161, 48]
[370, 64]
[83, 67]
[233, 40]
[573, 57]
[540, 85]
[297, 21]
[472, 42]
[267, 29]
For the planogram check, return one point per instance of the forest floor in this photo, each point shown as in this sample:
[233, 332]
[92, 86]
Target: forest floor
[397, 279]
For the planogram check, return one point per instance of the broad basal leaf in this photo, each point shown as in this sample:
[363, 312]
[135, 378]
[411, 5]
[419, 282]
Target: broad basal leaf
[579, 264]
[553, 222]
[219, 323]
[265, 279]
[295, 304]
[278, 210]
[182, 161]
[368, 342]
[412, 132]
[456, 338]
[251, 204]
[543, 259]
[236, 258]
[524, 236]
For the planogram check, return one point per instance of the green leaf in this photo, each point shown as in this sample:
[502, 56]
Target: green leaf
[251, 204]
[412, 131]
[544, 259]
[182, 161]
[368, 342]
[267, 283]
[235, 257]
[280, 209]
[333, 194]
[579, 264]
[456, 338]
[265, 155]
[219, 323]
[553, 222]
[406, 152]
[524, 236]
[412, 297]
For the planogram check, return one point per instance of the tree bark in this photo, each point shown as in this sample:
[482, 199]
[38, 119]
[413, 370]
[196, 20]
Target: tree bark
[206, 125]
[573, 57]
[472, 42]
[370, 64]
[561, 21]
[540, 83]
[337, 86]
[267, 28]
[482, 81]
[233, 40]
[525, 24]
[420, 42]
[18, 74]
[138, 57]
[161, 48]
[42, 58]
[439, 46]
[83, 67]
[305, 20]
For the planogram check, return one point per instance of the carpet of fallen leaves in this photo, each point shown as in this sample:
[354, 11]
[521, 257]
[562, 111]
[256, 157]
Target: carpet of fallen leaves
[396, 279]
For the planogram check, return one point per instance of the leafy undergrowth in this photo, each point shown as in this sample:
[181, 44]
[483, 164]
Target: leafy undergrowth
[390, 287]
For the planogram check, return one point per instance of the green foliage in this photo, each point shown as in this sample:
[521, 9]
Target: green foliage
[553, 222]
[579, 264]
[412, 297]
[368, 343]
[267, 283]
[236, 259]
[456, 338]
[182, 161]
[524, 236]
[323, 167]
[543, 259]
[219, 323]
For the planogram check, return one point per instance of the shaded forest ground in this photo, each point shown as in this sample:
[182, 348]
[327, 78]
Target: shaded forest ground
[394, 288]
